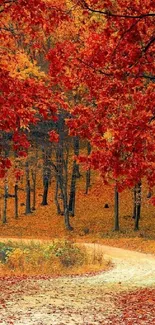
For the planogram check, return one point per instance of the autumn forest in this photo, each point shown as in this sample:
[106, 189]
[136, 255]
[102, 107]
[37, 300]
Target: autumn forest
[77, 160]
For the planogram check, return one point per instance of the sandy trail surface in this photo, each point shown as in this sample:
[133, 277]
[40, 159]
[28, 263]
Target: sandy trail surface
[79, 300]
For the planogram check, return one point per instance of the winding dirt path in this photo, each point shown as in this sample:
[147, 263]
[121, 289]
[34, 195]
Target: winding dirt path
[85, 300]
[131, 269]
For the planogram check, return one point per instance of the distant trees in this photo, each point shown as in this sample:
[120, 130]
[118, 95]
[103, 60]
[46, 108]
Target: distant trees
[53, 167]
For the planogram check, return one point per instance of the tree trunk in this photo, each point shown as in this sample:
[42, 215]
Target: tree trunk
[4, 219]
[45, 192]
[64, 188]
[88, 172]
[116, 210]
[138, 206]
[59, 175]
[75, 175]
[62, 156]
[76, 143]
[46, 174]
[134, 203]
[16, 201]
[6, 149]
[67, 223]
[34, 179]
[34, 190]
[28, 190]
[73, 190]
[59, 212]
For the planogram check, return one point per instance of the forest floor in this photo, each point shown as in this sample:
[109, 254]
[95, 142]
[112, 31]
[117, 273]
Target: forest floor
[125, 294]
[92, 222]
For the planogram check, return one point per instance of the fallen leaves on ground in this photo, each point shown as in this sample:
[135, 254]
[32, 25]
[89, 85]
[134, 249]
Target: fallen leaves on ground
[44, 301]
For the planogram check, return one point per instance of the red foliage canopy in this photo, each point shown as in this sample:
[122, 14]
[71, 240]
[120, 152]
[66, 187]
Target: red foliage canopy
[113, 61]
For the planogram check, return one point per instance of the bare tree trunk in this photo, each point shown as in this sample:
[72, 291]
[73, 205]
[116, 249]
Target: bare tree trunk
[59, 179]
[67, 222]
[88, 172]
[59, 212]
[75, 175]
[66, 208]
[45, 192]
[62, 156]
[4, 219]
[116, 210]
[28, 189]
[134, 203]
[65, 191]
[16, 200]
[138, 206]
[73, 190]
[6, 149]
[76, 143]
[46, 174]
[34, 179]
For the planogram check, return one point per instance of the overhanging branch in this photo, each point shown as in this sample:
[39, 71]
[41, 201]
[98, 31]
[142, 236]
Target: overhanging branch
[108, 13]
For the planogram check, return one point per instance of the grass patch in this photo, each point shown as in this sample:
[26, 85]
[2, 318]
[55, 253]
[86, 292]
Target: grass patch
[56, 258]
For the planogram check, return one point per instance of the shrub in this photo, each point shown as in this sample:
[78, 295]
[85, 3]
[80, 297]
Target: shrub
[35, 257]
[69, 254]
[4, 252]
[61, 257]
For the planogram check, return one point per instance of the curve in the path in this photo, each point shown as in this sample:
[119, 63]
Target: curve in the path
[79, 300]
[130, 268]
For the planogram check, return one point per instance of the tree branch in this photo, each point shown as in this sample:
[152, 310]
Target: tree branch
[147, 77]
[108, 13]
[151, 41]
[124, 33]
[113, 74]
[95, 69]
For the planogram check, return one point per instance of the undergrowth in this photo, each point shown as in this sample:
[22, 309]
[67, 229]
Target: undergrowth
[57, 258]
